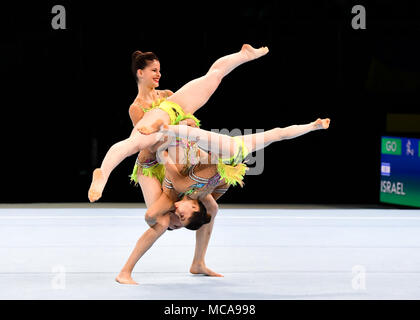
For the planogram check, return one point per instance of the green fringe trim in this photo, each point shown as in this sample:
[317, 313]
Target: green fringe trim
[154, 105]
[232, 175]
[179, 118]
[133, 176]
[157, 171]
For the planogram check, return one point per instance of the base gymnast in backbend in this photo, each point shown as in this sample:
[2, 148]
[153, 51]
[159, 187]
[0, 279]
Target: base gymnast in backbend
[207, 178]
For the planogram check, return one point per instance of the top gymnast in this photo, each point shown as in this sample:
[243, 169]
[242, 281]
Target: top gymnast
[147, 172]
[191, 97]
[146, 70]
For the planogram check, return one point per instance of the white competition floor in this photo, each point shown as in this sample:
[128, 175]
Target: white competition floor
[331, 253]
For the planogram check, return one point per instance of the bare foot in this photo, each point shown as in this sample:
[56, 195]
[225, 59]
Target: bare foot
[202, 269]
[188, 122]
[125, 278]
[321, 123]
[155, 127]
[164, 128]
[170, 132]
[97, 185]
[253, 53]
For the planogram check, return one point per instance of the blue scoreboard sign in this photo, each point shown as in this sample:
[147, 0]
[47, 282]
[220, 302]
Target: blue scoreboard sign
[400, 171]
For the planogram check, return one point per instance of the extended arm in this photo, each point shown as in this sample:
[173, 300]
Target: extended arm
[158, 209]
[202, 237]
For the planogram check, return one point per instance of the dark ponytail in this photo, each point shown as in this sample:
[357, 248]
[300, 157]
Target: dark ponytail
[139, 60]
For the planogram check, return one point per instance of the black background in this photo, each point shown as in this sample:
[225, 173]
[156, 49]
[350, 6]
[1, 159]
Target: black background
[65, 94]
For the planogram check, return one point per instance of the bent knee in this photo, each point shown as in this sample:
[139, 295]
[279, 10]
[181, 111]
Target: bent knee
[148, 216]
[150, 219]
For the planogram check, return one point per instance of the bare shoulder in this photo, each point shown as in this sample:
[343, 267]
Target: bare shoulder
[220, 190]
[135, 112]
[133, 107]
[210, 203]
[166, 93]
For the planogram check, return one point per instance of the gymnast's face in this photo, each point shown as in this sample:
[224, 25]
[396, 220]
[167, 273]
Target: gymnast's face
[184, 210]
[150, 75]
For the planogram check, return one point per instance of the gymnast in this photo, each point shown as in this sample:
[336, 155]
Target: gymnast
[187, 195]
[147, 172]
[171, 110]
[145, 67]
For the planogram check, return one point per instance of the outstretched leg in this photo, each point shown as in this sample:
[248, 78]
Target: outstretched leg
[225, 146]
[259, 141]
[195, 93]
[115, 155]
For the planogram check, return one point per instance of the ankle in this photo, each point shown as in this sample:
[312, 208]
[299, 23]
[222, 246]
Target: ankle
[125, 273]
[200, 263]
